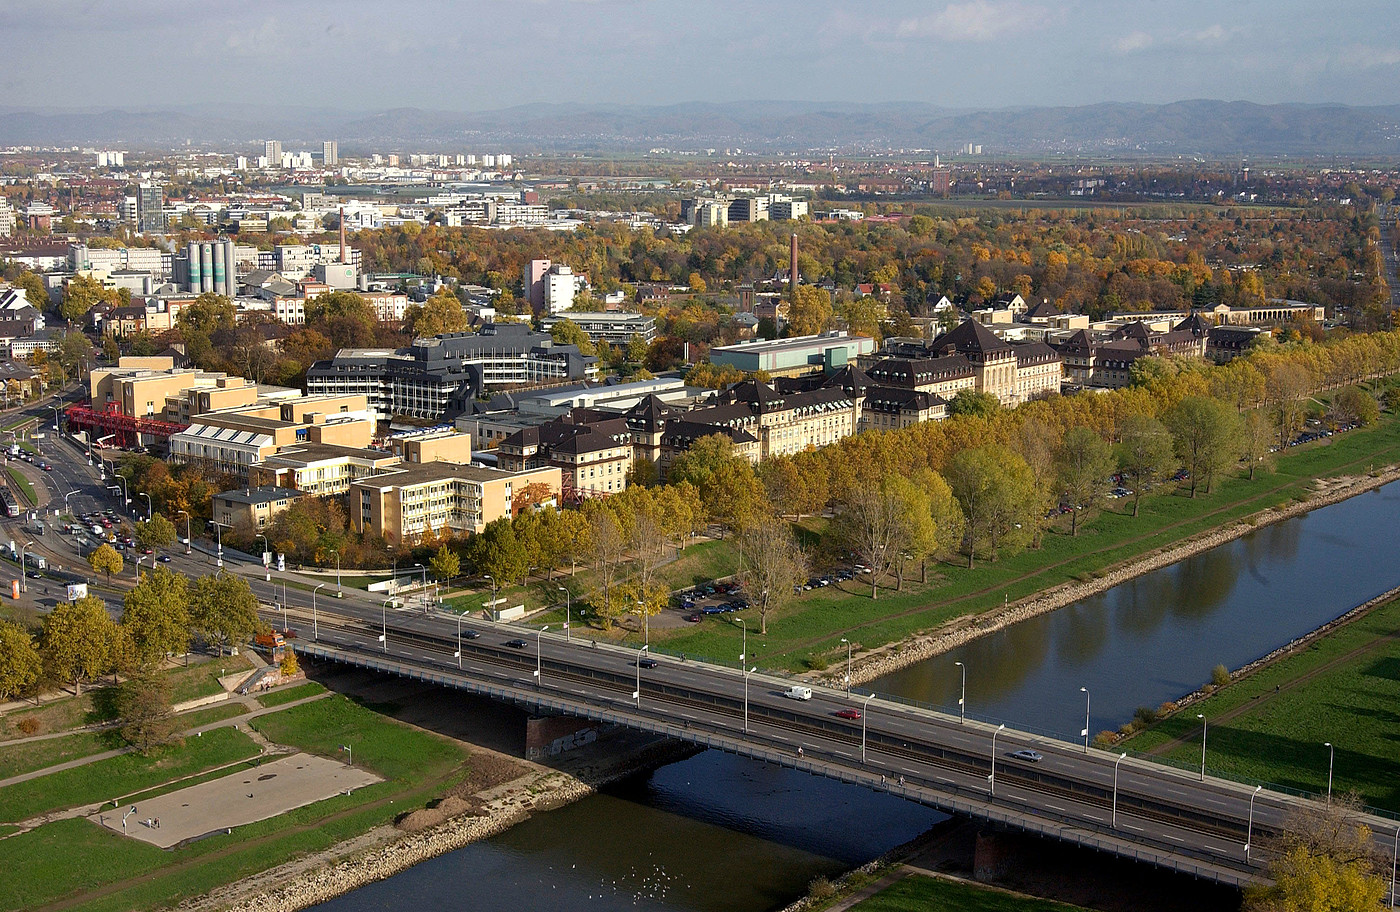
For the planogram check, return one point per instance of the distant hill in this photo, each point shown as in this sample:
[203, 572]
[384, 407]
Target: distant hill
[1210, 128]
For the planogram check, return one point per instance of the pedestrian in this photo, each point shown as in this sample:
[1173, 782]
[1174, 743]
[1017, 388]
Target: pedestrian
[882, 780]
[901, 779]
[799, 751]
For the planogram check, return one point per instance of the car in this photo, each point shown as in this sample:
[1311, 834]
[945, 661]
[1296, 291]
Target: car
[646, 663]
[470, 635]
[694, 617]
[46, 467]
[148, 551]
[164, 558]
[1029, 756]
[35, 574]
[516, 644]
[848, 713]
[713, 609]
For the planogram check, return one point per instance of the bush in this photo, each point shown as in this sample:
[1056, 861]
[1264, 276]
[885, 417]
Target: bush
[289, 663]
[28, 726]
[1166, 709]
[821, 889]
[817, 663]
[1144, 716]
[1220, 676]
[1105, 739]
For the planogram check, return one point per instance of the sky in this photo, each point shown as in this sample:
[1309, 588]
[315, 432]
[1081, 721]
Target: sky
[465, 55]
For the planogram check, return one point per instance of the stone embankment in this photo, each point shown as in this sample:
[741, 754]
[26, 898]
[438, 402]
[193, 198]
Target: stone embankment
[387, 851]
[962, 630]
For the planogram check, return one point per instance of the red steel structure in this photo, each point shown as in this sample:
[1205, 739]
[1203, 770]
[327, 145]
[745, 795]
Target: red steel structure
[126, 428]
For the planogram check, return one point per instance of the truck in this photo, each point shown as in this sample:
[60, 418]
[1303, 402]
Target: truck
[272, 640]
[97, 530]
[37, 561]
[798, 692]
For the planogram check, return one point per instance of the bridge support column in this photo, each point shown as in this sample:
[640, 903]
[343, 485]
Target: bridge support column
[993, 856]
[550, 736]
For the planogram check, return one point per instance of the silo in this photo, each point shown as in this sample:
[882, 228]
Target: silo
[219, 267]
[206, 267]
[192, 253]
[230, 269]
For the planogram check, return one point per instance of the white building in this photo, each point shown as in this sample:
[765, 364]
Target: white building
[560, 286]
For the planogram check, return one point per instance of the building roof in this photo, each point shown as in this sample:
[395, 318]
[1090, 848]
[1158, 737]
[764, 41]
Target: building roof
[264, 494]
[971, 337]
[435, 471]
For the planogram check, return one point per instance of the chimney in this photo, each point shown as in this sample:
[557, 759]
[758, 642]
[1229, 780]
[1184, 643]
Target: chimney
[792, 268]
[344, 254]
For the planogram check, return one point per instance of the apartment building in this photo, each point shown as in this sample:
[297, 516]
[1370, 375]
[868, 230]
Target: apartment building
[252, 508]
[233, 442]
[403, 506]
[593, 458]
[320, 469]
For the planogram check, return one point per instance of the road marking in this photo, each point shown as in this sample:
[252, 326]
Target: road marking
[1092, 817]
[1054, 807]
[1173, 838]
[1129, 826]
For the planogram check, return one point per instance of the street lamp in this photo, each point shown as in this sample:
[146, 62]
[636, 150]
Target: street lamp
[1394, 863]
[1203, 745]
[744, 653]
[219, 541]
[384, 623]
[22, 546]
[267, 563]
[962, 700]
[746, 697]
[1120, 759]
[315, 633]
[189, 542]
[865, 711]
[1331, 760]
[568, 611]
[637, 694]
[493, 590]
[992, 779]
[848, 667]
[138, 569]
[126, 815]
[539, 678]
[1085, 732]
[126, 494]
[55, 415]
[458, 654]
[339, 593]
[351, 752]
[65, 500]
[646, 627]
[149, 510]
[1249, 832]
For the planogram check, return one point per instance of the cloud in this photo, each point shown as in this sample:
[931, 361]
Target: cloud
[977, 20]
[1137, 41]
[1213, 34]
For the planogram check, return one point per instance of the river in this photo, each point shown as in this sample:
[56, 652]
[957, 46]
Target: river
[718, 832]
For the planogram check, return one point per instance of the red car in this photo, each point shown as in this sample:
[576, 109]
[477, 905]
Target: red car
[848, 713]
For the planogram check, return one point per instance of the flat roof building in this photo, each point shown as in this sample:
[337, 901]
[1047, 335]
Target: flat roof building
[829, 351]
[440, 497]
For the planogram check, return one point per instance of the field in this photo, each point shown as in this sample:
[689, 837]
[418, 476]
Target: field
[918, 893]
[1271, 727]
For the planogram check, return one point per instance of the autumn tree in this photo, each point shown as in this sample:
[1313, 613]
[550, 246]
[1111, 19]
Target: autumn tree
[223, 609]
[156, 532]
[144, 711]
[1324, 858]
[810, 311]
[773, 566]
[1205, 434]
[728, 487]
[105, 559]
[155, 615]
[996, 492]
[1083, 462]
[1145, 454]
[1285, 388]
[441, 313]
[497, 551]
[567, 332]
[445, 564]
[78, 641]
[878, 520]
[1256, 439]
[944, 530]
[1353, 405]
[608, 546]
[20, 663]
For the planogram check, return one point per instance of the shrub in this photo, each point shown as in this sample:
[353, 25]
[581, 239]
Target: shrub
[28, 725]
[1144, 716]
[1220, 676]
[1166, 709]
[1105, 739]
[821, 889]
[817, 663]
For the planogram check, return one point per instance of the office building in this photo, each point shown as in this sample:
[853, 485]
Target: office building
[330, 153]
[439, 498]
[560, 285]
[272, 151]
[150, 208]
[7, 218]
[535, 271]
[798, 355]
[605, 326]
[252, 508]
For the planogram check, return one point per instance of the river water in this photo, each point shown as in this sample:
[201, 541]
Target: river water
[716, 832]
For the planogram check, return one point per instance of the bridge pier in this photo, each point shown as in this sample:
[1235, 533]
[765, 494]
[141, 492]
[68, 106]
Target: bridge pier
[552, 735]
[992, 856]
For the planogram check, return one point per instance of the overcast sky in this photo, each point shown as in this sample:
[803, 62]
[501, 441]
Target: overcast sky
[470, 55]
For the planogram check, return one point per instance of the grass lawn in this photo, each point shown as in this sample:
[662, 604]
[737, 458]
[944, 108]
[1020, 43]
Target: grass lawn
[807, 632]
[1348, 696]
[24, 758]
[278, 697]
[216, 713]
[116, 777]
[918, 893]
[22, 485]
[201, 678]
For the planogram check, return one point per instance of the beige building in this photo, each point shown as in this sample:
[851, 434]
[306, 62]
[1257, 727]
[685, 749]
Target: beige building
[432, 445]
[593, 458]
[252, 508]
[970, 356]
[324, 470]
[402, 506]
[234, 441]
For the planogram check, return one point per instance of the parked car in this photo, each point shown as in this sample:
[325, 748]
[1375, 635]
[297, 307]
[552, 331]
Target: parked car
[694, 617]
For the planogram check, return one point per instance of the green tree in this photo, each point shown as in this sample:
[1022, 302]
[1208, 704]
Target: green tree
[947, 523]
[445, 564]
[144, 711]
[156, 532]
[810, 311]
[974, 404]
[155, 615]
[442, 313]
[607, 549]
[567, 332]
[880, 519]
[223, 609]
[105, 559]
[1205, 434]
[1256, 436]
[996, 491]
[78, 641]
[773, 566]
[80, 295]
[1145, 455]
[728, 487]
[497, 551]
[1353, 405]
[1083, 463]
[34, 290]
[20, 663]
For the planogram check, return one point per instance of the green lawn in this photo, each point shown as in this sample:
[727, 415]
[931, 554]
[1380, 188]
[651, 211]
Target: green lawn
[1278, 737]
[216, 713]
[808, 631]
[918, 893]
[201, 678]
[16, 759]
[22, 484]
[287, 695]
[116, 777]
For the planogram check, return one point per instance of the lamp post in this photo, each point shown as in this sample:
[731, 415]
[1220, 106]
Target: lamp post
[493, 589]
[425, 586]
[539, 667]
[865, 711]
[126, 815]
[746, 697]
[1120, 759]
[267, 565]
[637, 694]
[992, 779]
[1085, 732]
[646, 626]
[568, 612]
[744, 650]
[848, 667]
[384, 623]
[1203, 745]
[55, 415]
[1249, 832]
[149, 511]
[458, 654]
[138, 571]
[962, 700]
[126, 494]
[1331, 760]
[22, 546]
[351, 751]
[339, 593]
[1394, 863]
[315, 632]
[65, 500]
[189, 542]
[219, 542]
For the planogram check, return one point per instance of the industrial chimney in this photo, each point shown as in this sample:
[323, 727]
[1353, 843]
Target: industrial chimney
[344, 254]
[792, 269]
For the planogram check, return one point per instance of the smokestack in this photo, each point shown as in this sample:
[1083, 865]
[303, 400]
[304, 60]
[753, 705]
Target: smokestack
[344, 254]
[792, 268]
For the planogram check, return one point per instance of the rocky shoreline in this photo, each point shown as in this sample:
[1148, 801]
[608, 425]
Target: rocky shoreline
[386, 851]
[959, 631]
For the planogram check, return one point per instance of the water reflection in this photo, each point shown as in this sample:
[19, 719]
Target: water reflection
[1157, 637]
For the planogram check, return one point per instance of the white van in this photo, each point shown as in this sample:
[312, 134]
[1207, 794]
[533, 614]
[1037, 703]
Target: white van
[798, 692]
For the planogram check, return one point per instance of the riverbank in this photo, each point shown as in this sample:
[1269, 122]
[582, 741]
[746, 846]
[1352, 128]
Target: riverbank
[388, 850]
[961, 630]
